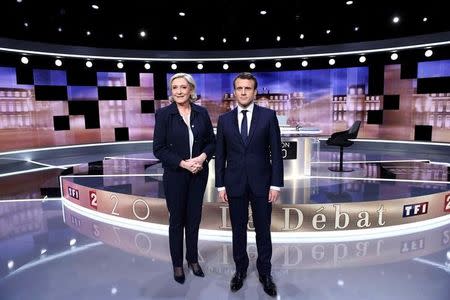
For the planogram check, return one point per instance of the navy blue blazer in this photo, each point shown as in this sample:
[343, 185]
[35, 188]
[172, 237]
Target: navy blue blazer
[171, 136]
[258, 163]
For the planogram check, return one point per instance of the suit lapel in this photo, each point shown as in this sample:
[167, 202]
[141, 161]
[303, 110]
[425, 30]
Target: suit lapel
[254, 123]
[235, 126]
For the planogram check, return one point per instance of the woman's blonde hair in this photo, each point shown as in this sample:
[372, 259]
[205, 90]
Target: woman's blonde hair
[191, 82]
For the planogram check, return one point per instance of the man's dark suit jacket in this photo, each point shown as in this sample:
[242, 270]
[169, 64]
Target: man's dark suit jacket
[258, 163]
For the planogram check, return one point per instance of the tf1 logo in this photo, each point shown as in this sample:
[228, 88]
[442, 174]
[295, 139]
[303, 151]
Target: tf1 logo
[411, 210]
[74, 193]
[447, 203]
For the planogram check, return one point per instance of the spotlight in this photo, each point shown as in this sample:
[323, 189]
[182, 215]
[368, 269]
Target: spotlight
[10, 264]
[332, 61]
[224, 40]
[202, 38]
[182, 14]
[328, 31]
[278, 65]
[263, 12]
[395, 19]
[89, 64]
[362, 59]
[304, 63]
[143, 33]
[24, 60]
[95, 6]
[349, 2]
[121, 35]
[147, 66]
[200, 66]
[428, 53]
[120, 65]
[173, 66]
[278, 38]
[58, 62]
[43, 251]
[247, 39]
[88, 33]
[356, 28]
[394, 56]
[225, 66]
[175, 38]
[252, 66]
[301, 36]
[60, 29]
[25, 24]
[72, 242]
[425, 19]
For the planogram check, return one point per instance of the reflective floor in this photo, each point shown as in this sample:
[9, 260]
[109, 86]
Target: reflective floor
[49, 251]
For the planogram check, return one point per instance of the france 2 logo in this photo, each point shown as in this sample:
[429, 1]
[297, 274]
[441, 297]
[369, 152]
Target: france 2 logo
[447, 203]
[93, 199]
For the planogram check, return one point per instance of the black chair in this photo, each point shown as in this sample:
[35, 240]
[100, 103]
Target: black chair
[342, 139]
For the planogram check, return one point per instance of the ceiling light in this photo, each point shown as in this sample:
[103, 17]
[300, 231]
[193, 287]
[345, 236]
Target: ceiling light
[425, 19]
[278, 38]
[428, 53]
[142, 33]
[202, 38]
[121, 35]
[304, 63]
[200, 66]
[72, 242]
[252, 66]
[263, 12]
[147, 66]
[173, 66]
[95, 6]
[181, 13]
[10, 264]
[58, 62]
[349, 2]
[396, 19]
[89, 64]
[362, 59]
[24, 60]
[25, 24]
[278, 65]
[175, 38]
[88, 33]
[19, 1]
[394, 56]
[247, 39]
[224, 40]
[328, 31]
[356, 28]
[120, 65]
[225, 66]
[60, 29]
[301, 36]
[332, 61]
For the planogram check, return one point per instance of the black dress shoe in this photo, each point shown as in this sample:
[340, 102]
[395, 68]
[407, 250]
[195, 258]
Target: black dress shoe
[237, 281]
[269, 286]
[196, 269]
[178, 274]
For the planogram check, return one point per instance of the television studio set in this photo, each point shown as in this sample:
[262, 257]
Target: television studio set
[224, 150]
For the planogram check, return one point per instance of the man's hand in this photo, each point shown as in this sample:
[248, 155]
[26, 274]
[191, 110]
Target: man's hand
[223, 197]
[273, 196]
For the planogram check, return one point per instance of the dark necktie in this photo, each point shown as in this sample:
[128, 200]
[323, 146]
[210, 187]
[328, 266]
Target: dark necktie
[244, 126]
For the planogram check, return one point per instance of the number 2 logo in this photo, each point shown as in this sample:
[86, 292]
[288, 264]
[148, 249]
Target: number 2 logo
[93, 199]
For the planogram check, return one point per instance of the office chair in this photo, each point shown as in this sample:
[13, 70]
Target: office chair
[342, 139]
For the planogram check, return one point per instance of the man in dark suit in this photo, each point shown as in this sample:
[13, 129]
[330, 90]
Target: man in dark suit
[249, 169]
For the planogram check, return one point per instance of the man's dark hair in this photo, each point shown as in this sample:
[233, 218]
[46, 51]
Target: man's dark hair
[245, 75]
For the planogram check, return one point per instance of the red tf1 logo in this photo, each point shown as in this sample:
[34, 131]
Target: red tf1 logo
[93, 199]
[74, 193]
[447, 203]
[411, 210]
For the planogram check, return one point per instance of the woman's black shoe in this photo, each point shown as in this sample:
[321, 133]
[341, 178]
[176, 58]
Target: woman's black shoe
[178, 274]
[196, 269]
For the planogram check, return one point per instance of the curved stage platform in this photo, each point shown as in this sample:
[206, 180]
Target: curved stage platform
[381, 231]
